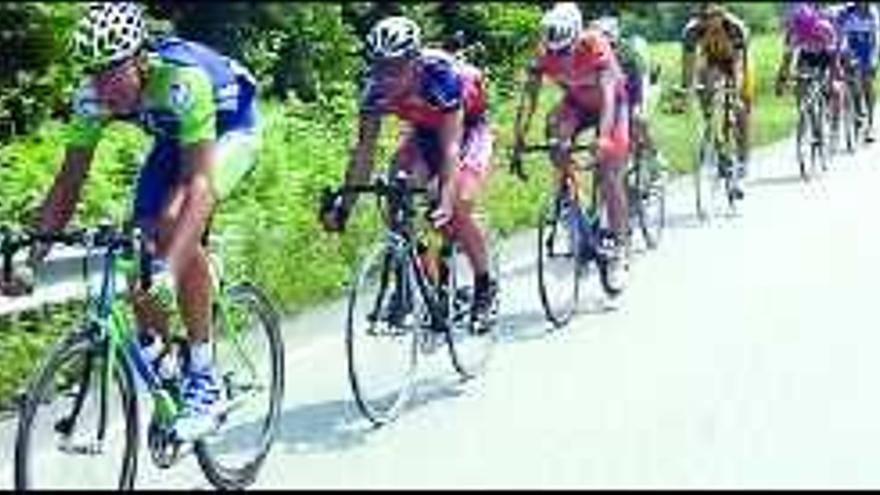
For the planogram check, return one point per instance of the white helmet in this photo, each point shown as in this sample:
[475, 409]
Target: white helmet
[561, 25]
[394, 37]
[109, 32]
[608, 25]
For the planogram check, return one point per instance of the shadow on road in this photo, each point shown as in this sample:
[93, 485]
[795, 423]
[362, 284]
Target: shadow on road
[337, 425]
[785, 180]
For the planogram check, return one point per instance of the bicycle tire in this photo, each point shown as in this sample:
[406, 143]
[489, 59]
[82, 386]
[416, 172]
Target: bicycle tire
[385, 261]
[71, 345]
[459, 337]
[553, 219]
[258, 304]
[802, 141]
[704, 166]
[650, 191]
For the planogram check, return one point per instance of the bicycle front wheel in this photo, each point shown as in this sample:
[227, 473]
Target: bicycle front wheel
[705, 170]
[78, 424]
[650, 201]
[385, 314]
[249, 359]
[558, 267]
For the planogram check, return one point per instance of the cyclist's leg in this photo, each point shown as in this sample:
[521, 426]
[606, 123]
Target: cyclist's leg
[235, 154]
[611, 167]
[470, 178]
[160, 169]
[867, 72]
[476, 155]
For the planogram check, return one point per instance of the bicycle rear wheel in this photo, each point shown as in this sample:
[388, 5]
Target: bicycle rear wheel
[249, 358]
[558, 267]
[470, 352]
[385, 312]
[75, 426]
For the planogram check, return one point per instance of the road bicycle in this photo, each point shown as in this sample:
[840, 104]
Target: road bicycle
[573, 238]
[855, 109]
[411, 292]
[84, 401]
[715, 165]
[813, 129]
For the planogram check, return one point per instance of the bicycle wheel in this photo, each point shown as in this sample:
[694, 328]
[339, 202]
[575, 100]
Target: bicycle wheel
[74, 425]
[385, 311]
[249, 358]
[821, 151]
[850, 116]
[705, 168]
[836, 128]
[469, 352]
[650, 201]
[804, 141]
[558, 268]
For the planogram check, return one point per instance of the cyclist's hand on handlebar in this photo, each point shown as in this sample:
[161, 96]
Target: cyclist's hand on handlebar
[332, 213]
[443, 214]
[679, 100]
[20, 282]
[780, 86]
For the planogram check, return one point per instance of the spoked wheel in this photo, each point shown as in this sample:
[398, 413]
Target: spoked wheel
[823, 126]
[385, 312]
[807, 143]
[650, 194]
[249, 358]
[78, 425]
[850, 117]
[558, 267]
[836, 126]
[705, 178]
[470, 351]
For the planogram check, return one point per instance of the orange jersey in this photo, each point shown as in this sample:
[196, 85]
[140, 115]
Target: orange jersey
[578, 70]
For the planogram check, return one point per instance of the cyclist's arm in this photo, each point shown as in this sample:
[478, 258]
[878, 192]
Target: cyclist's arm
[59, 205]
[81, 135]
[741, 52]
[688, 54]
[451, 130]
[361, 164]
[783, 73]
[528, 101]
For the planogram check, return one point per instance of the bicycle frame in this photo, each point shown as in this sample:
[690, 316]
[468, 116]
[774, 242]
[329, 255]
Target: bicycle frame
[108, 318]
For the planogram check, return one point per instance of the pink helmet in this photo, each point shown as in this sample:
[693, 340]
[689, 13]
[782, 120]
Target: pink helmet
[804, 18]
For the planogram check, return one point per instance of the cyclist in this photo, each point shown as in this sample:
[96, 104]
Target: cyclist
[201, 109]
[810, 35]
[446, 141]
[722, 41]
[632, 52]
[582, 62]
[858, 23]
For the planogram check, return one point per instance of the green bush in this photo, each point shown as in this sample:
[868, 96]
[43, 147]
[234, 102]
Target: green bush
[34, 77]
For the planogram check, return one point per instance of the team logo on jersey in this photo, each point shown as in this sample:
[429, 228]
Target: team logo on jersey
[180, 95]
